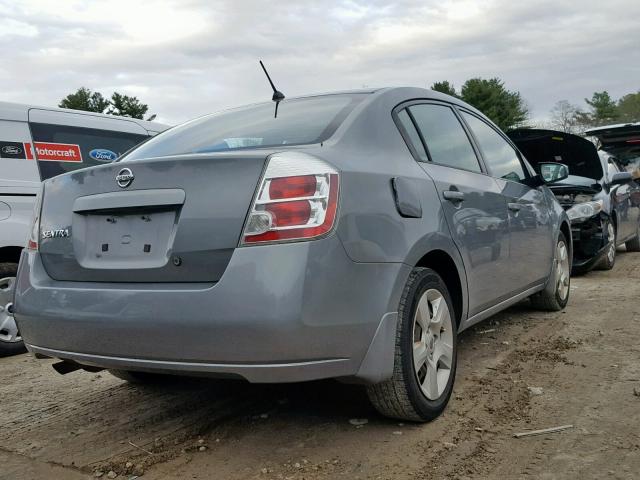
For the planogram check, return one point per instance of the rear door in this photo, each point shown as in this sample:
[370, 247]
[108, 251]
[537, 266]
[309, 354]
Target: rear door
[530, 225]
[65, 141]
[472, 203]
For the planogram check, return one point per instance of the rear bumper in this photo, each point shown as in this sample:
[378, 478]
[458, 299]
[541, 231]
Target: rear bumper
[280, 313]
[255, 373]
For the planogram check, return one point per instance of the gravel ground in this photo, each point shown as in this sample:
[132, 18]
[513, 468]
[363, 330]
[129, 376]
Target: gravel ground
[521, 370]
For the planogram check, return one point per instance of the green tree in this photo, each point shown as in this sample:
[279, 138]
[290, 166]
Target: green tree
[603, 108]
[126, 106]
[85, 99]
[629, 107]
[121, 105]
[444, 87]
[506, 108]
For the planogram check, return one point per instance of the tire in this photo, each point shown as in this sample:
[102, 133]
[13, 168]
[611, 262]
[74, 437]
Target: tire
[609, 259]
[633, 245]
[555, 296]
[404, 396]
[10, 341]
[139, 378]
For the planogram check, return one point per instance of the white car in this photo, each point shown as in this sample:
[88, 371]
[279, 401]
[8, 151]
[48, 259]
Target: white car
[622, 141]
[37, 143]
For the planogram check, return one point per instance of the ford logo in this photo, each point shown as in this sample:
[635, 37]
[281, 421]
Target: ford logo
[11, 150]
[124, 178]
[103, 155]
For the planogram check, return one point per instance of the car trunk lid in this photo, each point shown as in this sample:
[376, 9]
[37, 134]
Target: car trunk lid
[172, 219]
[623, 142]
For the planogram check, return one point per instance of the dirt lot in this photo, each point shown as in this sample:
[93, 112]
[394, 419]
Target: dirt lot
[586, 361]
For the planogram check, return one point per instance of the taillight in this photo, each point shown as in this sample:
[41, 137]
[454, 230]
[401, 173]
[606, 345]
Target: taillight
[297, 200]
[34, 231]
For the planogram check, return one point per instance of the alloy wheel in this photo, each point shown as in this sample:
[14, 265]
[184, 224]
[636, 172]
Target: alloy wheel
[8, 328]
[562, 270]
[611, 233]
[432, 344]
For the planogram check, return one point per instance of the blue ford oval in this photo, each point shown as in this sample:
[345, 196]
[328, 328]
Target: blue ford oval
[103, 155]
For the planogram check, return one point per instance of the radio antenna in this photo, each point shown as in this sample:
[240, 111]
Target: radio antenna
[277, 95]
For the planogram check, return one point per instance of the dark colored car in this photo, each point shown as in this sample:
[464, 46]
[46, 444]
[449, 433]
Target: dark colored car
[601, 199]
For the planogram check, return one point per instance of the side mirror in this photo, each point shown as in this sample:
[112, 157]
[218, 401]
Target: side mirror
[621, 178]
[551, 172]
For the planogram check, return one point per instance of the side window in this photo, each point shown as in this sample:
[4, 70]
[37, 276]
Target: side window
[612, 169]
[500, 157]
[61, 148]
[410, 128]
[446, 140]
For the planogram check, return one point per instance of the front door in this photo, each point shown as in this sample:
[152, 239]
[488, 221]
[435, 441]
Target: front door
[532, 244]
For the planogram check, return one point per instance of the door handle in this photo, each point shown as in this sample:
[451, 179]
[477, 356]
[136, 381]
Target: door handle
[453, 195]
[514, 207]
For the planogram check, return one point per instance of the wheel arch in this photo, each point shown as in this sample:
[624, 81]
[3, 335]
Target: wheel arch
[444, 265]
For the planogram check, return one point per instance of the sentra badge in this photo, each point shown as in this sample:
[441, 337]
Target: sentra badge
[58, 233]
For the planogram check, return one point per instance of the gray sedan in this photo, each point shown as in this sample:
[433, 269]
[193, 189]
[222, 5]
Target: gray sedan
[349, 235]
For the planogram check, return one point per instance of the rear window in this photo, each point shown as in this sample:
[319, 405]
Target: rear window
[60, 148]
[299, 121]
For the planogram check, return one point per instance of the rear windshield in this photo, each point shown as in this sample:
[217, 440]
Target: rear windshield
[298, 122]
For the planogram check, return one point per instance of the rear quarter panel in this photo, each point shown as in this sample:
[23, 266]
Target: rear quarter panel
[370, 151]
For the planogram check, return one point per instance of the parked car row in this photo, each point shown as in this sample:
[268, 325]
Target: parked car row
[350, 235]
[37, 143]
[601, 199]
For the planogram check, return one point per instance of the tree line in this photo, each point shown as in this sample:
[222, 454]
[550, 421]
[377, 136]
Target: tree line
[119, 104]
[507, 108]
[602, 109]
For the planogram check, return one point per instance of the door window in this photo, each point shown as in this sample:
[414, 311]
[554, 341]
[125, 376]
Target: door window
[414, 137]
[61, 148]
[500, 157]
[445, 138]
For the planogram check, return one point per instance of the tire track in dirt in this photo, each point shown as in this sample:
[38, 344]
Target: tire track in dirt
[88, 421]
[586, 360]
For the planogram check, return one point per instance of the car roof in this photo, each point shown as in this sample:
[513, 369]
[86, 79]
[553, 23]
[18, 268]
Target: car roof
[20, 112]
[407, 91]
[399, 91]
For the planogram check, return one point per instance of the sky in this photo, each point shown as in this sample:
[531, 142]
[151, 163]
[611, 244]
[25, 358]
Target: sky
[191, 57]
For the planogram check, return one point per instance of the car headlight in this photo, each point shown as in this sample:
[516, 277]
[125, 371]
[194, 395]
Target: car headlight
[585, 210]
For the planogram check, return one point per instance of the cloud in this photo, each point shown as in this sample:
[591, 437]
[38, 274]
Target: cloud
[186, 58]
